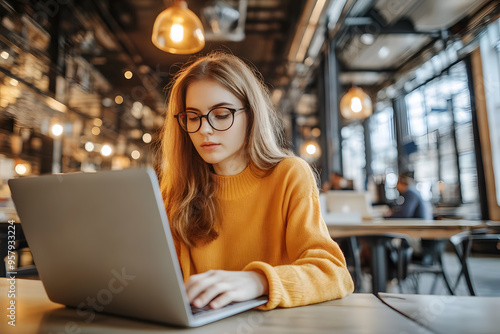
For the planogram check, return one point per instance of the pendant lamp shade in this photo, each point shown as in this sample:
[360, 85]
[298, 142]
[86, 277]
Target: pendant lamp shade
[178, 30]
[356, 104]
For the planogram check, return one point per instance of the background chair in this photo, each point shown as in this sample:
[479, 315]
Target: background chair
[385, 251]
[349, 246]
[462, 244]
[431, 263]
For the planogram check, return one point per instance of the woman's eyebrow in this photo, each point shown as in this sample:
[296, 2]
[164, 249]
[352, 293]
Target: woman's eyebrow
[221, 104]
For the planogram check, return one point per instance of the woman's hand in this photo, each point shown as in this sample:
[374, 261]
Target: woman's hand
[219, 287]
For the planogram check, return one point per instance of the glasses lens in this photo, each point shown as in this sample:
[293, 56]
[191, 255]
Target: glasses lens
[221, 118]
[189, 121]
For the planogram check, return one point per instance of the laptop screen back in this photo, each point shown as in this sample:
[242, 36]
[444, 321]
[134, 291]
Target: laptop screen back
[346, 201]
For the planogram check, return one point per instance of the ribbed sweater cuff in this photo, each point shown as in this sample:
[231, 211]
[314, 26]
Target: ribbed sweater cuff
[276, 288]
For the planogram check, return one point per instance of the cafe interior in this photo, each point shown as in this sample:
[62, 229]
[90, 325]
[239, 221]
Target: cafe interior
[367, 90]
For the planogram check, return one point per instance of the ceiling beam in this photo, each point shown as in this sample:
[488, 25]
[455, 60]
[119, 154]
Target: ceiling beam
[361, 25]
[372, 70]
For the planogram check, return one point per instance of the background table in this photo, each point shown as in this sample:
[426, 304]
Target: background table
[449, 314]
[357, 313]
[417, 228]
[425, 229]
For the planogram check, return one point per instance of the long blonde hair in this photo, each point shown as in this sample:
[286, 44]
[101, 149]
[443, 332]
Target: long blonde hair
[185, 179]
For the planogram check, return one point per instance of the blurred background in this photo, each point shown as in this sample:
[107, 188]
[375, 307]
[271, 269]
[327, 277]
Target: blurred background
[368, 89]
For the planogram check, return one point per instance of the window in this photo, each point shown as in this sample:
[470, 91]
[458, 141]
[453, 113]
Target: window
[384, 150]
[440, 127]
[353, 154]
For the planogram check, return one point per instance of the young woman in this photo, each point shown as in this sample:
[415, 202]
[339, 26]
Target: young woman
[244, 213]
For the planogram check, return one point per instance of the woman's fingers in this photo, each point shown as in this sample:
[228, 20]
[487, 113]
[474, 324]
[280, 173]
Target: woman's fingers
[222, 300]
[211, 292]
[219, 287]
[197, 284]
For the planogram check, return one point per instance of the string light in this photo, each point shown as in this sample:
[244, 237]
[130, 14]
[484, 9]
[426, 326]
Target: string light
[89, 146]
[106, 150]
[135, 154]
[147, 138]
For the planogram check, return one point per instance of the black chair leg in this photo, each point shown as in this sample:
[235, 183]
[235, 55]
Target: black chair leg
[462, 245]
[446, 279]
[434, 284]
[356, 255]
[465, 267]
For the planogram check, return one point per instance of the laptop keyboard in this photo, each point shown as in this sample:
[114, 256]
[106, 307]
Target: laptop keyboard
[206, 308]
[196, 310]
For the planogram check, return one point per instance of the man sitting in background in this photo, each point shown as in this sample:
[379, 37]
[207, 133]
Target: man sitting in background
[413, 206]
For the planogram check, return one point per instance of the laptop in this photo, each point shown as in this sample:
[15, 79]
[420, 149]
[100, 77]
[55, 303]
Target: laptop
[349, 203]
[101, 243]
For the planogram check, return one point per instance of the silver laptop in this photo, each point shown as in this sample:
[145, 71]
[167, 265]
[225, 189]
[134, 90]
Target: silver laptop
[349, 201]
[101, 243]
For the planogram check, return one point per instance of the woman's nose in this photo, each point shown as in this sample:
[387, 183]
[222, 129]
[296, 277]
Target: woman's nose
[206, 128]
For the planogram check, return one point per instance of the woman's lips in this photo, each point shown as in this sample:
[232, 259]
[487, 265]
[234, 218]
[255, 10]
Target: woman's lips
[209, 146]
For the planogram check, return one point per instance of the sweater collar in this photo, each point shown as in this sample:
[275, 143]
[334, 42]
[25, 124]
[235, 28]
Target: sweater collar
[239, 185]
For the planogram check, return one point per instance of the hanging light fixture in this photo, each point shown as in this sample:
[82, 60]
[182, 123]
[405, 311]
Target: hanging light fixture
[178, 30]
[356, 104]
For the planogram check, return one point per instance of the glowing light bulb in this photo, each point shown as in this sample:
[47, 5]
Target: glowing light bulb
[21, 169]
[57, 130]
[177, 33]
[128, 74]
[89, 146]
[135, 154]
[356, 105]
[147, 138]
[106, 150]
[311, 149]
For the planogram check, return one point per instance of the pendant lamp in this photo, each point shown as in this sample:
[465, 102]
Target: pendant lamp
[178, 30]
[356, 104]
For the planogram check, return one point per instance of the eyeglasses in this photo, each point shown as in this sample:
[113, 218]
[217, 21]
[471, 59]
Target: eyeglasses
[219, 118]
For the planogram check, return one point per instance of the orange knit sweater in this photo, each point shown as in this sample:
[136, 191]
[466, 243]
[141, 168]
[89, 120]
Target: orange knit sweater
[273, 225]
